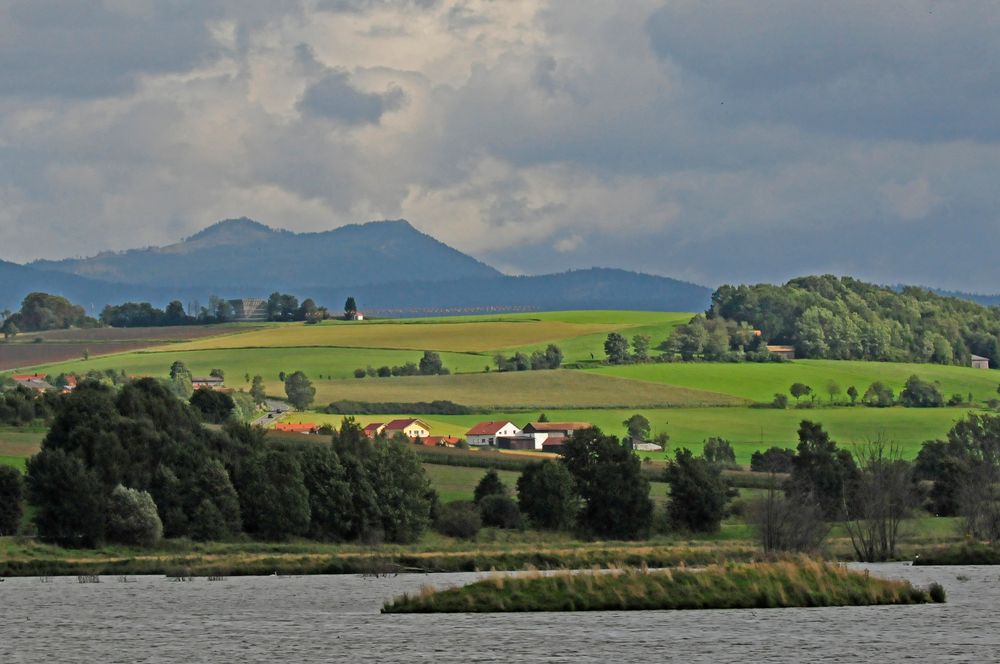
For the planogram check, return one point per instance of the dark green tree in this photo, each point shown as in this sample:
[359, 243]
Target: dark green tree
[852, 393]
[822, 471]
[216, 407]
[257, 391]
[300, 390]
[553, 356]
[637, 428]
[490, 485]
[330, 497]
[640, 346]
[350, 308]
[919, 393]
[546, 494]
[799, 390]
[609, 480]
[11, 500]
[459, 518]
[404, 493]
[697, 493]
[431, 364]
[616, 348]
[9, 329]
[274, 501]
[879, 395]
[68, 499]
[132, 518]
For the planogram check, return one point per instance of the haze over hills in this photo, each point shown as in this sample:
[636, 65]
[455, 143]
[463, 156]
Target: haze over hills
[387, 265]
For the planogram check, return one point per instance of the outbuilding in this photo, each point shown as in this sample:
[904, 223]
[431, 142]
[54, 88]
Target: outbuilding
[486, 433]
[980, 362]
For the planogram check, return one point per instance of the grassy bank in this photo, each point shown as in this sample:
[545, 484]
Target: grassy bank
[492, 550]
[796, 583]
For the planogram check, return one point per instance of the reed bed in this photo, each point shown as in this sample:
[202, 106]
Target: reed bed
[798, 582]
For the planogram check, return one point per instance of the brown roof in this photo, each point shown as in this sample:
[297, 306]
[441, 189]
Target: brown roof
[488, 428]
[781, 349]
[433, 441]
[374, 426]
[399, 425]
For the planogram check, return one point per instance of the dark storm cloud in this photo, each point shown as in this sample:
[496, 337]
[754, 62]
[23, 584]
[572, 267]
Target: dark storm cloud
[895, 69]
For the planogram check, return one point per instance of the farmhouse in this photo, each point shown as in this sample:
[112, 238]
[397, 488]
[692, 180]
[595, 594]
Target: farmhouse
[787, 352]
[35, 382]
[305, 427]
[556, 433]
[411, 428]
[211, 382]
[979, 362]
[485, 433]
[374, 429]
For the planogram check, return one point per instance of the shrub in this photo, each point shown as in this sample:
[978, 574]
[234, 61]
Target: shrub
[547, 495]
[719, 452]
[360, 373]
[499, 511]
[459, 518]
[132, 518]
[919, 393]
[772, 460]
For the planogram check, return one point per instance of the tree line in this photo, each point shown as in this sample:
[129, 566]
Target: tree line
[125, 466]
[847, 319]
[40, 312]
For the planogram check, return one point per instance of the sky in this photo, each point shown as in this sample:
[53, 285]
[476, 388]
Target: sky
[718, 142]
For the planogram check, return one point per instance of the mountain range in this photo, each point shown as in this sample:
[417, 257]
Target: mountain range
[387, 266]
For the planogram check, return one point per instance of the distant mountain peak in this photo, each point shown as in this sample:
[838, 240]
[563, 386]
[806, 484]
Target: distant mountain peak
[233, 229]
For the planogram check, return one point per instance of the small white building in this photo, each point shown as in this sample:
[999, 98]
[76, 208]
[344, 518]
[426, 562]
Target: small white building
[980, 362]
[485, 433]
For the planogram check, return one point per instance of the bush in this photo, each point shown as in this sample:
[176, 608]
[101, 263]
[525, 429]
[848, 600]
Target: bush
[719, 452]
[919, 393]
[215, 407]
[132, 518]
[499, 511]
[459, 518]
[360, 373]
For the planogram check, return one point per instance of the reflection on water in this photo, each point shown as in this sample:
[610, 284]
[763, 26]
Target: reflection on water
[336, 619]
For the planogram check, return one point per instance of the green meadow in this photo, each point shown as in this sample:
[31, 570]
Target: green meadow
[760, 382]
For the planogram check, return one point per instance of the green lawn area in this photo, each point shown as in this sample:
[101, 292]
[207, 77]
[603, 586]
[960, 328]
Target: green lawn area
[18, 443]
[459, 482]
[760, 382]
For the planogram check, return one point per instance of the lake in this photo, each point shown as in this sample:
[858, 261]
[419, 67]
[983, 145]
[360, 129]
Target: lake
[336, 619]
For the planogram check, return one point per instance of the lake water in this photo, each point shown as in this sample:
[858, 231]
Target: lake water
[336, 619]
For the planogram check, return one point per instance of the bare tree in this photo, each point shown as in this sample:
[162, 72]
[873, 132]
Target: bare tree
[883, 497]
[786, 524]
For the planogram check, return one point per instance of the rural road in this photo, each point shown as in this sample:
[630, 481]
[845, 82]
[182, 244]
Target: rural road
[275, 409]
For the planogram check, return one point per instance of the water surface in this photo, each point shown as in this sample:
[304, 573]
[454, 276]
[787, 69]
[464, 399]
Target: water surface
[336, 619]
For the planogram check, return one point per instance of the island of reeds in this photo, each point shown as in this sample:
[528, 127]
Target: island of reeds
[795, 583]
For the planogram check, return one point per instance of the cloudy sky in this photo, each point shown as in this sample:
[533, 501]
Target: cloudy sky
[712, 141]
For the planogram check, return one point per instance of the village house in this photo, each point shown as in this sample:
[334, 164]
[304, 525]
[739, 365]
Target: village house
[787, 352]
[485, 433]
[374, 429]
[980, 362]
[557, 433]
[440, 441]
[35, 382]
[411, 428]
[304, 427]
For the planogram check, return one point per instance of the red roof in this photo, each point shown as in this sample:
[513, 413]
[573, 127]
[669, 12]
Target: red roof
[295, 428]
[487, 428]
[28, 376]
[71, 380]
[434, 441]
[374, 426]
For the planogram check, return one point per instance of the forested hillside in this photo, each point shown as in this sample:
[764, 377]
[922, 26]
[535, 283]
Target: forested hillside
[843, 318]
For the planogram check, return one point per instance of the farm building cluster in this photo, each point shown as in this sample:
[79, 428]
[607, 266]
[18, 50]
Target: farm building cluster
[501, 434]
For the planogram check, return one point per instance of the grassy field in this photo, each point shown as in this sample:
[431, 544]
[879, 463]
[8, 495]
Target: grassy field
[17, 444]
[760, 382]
[459, 483]
[747, 429]
[335, 363]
